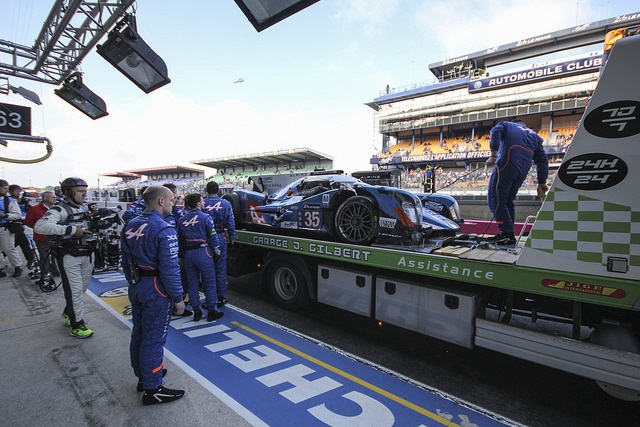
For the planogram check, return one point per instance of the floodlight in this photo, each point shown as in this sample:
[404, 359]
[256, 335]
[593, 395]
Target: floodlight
[77, 94]
[264, 13]
[125, 50]
[25, 93]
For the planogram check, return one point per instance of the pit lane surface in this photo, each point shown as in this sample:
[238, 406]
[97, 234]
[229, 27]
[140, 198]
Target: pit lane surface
[518, 390]
[277, 377]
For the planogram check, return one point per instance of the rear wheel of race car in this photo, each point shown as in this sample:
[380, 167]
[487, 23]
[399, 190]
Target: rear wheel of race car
[235, 207]
[289, 282]
[356, 221]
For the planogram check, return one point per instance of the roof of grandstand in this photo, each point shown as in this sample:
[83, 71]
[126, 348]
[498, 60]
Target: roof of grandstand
[569, 38]
[164, 169]
[122, 175]
[264, 158]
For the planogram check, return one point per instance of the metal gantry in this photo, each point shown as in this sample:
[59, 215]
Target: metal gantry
[71, 30]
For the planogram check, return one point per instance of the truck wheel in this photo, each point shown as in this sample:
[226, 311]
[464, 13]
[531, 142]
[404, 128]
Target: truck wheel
[619, 338]
[288, 285]
[356, 221]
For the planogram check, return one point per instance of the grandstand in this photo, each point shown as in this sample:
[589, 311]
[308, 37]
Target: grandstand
[234, 170]
[128, 189]
[546, 81]
[237, 169]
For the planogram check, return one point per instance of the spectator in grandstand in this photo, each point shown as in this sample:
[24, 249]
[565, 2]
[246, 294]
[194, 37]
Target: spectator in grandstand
[199, 249]
[150, 265]
[10, 221]
[33, 215]
[136, 208]
[222, 214]
[513, 147]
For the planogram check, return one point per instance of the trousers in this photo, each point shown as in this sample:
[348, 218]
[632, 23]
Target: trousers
[75, 272]
[151, 313]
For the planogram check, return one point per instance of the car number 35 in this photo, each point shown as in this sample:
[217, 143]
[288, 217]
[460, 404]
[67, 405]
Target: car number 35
[312, 219]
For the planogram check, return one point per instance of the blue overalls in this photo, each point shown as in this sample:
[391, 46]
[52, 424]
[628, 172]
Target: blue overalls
[150, 245]
[198, 240]
[517, 147]
[222, 214]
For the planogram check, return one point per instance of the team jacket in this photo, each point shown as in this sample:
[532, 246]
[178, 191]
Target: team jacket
[151, 244]
[195, 229]
[136, 208]
[222, 214]
[520, 145]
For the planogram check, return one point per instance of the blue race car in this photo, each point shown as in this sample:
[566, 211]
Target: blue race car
[337, 206]
[442, 212]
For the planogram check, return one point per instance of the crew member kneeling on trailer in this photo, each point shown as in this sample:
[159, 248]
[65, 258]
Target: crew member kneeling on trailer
[150, 265]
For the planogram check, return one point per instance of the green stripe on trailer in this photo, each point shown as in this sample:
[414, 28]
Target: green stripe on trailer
[606, 291]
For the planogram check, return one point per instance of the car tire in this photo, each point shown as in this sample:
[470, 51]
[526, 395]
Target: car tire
[235, 207]
[357, 221]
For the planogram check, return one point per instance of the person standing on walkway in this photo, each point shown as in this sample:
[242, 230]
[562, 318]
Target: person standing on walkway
[33, 215]
[136, 208]
[199, 247]
[69, 236]
[224, 223]
[19, 235]
[10, 216]
[150, 265]
[513, 147]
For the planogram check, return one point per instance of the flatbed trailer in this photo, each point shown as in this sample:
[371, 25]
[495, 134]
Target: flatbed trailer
[566, 296]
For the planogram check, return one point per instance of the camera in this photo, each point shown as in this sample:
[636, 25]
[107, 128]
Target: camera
[103, 224]
[103, 218]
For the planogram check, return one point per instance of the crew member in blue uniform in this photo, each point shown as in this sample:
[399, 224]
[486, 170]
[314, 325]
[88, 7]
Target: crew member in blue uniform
[199, 247]
[136, 208]
[150, 265]
[224, 222]
[176, 212]
[513, 147]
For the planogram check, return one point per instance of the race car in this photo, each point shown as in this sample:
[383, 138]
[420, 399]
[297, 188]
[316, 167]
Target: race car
[335, 205]
[442, 212]
[435, 206]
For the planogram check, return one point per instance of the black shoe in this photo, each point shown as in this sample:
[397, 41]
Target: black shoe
[31, 264]
[161, 395]
[221, 302]
[197, 315]
[3, 273]
[185, 313]
[140, 388]
[17, 272]
[504, 239]
[213, 315]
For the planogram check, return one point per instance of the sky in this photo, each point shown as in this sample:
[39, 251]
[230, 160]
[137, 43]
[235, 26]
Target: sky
[306, 79]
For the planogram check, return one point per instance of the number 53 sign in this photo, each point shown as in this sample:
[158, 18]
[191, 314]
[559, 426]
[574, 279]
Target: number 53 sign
[15, 119]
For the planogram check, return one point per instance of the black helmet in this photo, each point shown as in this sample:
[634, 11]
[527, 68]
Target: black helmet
[67, 186]
[72, 182]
